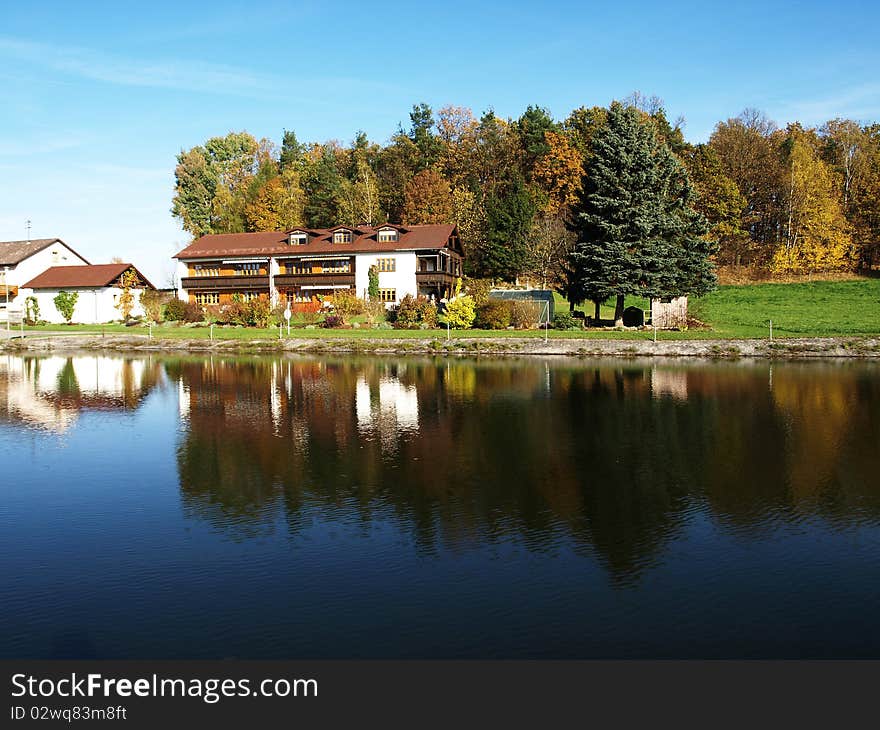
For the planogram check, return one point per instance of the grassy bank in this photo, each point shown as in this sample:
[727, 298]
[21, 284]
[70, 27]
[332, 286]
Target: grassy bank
[817, 309]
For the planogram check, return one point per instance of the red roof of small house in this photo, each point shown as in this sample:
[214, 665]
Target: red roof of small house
[75, 277]
[275, 243]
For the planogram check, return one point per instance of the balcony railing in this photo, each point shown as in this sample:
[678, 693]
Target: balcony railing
[248, 283]
[314, 279]
[432, 278]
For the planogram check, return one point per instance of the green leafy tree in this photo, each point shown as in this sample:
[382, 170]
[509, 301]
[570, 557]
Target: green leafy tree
[637, 231]
[721, 202]
[65, 303]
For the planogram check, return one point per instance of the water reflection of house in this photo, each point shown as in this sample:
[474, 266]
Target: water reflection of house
[668, 382]
[51, 392]
[387, 407]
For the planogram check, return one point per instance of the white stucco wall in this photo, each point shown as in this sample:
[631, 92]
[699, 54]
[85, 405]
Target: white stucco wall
[55, 255]
[403, 279]
[94, 305]
[181, 271]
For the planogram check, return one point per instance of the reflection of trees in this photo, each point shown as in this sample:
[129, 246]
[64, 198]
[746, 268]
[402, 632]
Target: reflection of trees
[530, 450]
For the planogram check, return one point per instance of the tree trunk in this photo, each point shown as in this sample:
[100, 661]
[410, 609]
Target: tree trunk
[618, 311]
[598, 315]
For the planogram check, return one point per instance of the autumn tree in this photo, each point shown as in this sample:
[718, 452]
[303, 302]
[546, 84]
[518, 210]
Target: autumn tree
[428, 199]
[559, 171]
[748, 148]
[721, 202]
[547, 247]
[278, 205]
[125, 302]
[817, 235]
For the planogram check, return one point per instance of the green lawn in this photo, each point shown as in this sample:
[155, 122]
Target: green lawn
[818, 309]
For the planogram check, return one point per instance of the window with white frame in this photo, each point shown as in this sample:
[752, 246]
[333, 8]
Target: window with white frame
[386, 264]
[387, 235]
[388, 295]
[343, 236]
[207, 297]
[299, 239]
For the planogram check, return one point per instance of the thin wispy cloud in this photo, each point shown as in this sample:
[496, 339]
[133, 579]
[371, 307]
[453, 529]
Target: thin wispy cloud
[182, 75]
[860, 102]
[179, 74]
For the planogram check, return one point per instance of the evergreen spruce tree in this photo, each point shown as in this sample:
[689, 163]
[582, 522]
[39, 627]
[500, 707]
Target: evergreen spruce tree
[637, 232]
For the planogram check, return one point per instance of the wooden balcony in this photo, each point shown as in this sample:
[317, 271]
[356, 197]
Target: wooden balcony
[225, 283]
[314, 280]
[435, 278]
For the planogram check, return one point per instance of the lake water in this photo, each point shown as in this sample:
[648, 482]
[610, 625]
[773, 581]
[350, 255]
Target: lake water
[382, 508]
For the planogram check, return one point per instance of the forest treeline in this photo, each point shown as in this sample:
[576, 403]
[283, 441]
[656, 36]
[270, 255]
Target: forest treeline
[792, 200]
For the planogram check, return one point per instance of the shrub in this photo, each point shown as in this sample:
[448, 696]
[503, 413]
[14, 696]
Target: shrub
[332, 321]
[493, 315]
[479, 290]
[414, 313]
[31, 310]
[460, 312]
[260, 312]
[376, 311]
[174, 310]
[236, 312]
[193, 312]
[564, 320]
[152, 302]
[347, 304]
[524, 315]
[65, 303]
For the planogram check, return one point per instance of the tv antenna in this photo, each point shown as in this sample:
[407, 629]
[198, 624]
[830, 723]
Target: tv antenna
[27, 225]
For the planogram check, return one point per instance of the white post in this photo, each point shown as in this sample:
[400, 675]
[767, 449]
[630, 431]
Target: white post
[212, 330]
[771, 330]
[6, 287]
[546, 321]
[151, 329]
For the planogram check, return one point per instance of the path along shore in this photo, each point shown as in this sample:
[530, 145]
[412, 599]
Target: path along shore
[789, 348]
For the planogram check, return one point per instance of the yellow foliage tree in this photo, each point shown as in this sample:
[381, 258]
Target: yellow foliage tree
[278, 205]
[559, 171]
[817, 236]
[127, 281]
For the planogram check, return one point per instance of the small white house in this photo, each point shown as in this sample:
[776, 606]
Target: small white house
[21, 261]
[98, 288]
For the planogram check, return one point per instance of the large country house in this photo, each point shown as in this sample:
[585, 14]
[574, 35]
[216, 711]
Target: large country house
[301, 264]
[21, 261]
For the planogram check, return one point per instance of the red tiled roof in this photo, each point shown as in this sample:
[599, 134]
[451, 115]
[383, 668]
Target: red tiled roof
[93, 275]
[275, 243]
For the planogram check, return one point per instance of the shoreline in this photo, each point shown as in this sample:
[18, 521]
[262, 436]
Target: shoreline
[789, 348]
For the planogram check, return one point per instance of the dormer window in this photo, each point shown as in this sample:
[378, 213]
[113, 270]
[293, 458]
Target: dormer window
[342, 236]
[299, 238]
[387, 235]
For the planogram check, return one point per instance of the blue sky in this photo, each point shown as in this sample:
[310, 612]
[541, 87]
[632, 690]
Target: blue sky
[98, 98]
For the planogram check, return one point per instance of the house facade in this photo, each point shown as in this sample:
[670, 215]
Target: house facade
[303, 264]
[21, 261]
[98, 288]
